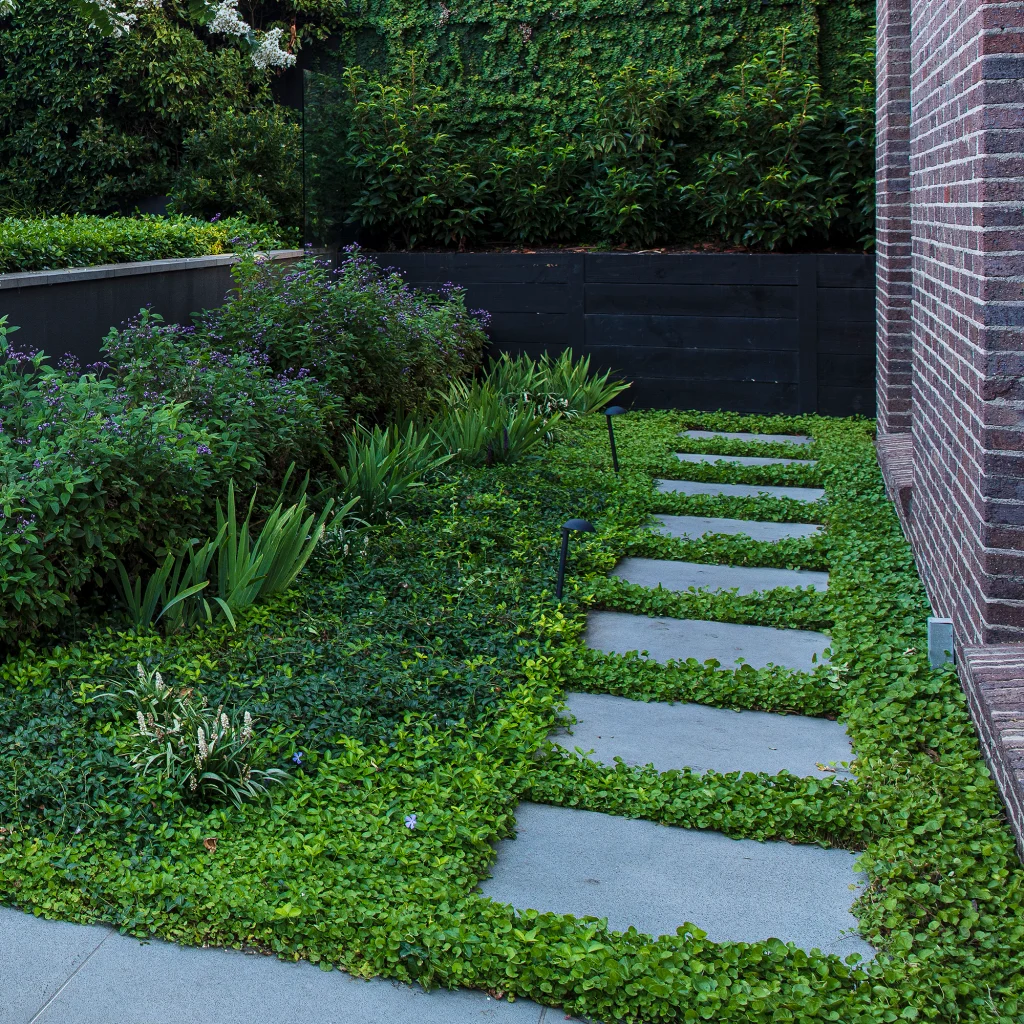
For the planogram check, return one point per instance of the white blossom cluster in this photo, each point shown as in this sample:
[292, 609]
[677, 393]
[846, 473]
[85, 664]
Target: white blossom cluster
[119, 16]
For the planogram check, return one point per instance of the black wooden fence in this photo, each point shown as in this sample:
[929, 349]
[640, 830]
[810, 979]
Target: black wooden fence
[767, 333]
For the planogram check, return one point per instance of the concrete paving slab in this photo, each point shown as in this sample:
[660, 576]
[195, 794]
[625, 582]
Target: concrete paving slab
[665, 639]
[741, 460]
[808, 494]
[657, 878]
[694, 736]
[695, 527]
[125, 981]
[37, 957]
[655, 572]
[707, 435]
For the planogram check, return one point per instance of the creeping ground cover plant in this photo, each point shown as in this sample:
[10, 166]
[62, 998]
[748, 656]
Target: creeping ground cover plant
[405, 687]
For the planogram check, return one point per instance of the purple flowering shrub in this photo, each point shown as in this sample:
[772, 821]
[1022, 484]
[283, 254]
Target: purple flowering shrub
[263, 420]
[381, 347]
[87, 474]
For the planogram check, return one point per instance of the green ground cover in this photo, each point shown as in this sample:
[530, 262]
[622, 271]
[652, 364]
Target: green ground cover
[410, 678]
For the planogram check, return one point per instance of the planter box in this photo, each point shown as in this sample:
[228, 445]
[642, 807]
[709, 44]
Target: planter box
[72, 310]
[753, 333]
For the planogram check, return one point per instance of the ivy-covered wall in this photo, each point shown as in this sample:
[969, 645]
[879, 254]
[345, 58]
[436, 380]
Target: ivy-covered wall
[505, 63]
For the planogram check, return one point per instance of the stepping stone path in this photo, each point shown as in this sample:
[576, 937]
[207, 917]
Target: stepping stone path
[658, 878]
[709, 435]
[657, 572]
[808, 494]
[60, 973]
[741, 460]
[694, 736]
[695, 527]
[666, 639]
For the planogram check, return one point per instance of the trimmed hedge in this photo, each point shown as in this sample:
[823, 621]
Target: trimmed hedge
[422, 677]
[51, 243]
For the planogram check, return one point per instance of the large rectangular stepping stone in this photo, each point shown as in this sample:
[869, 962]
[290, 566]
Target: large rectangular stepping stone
[741, 460]
[659, 572]
[694, 736]
[707, 435]
[657, 878]
[808, 494]
[51, 979]
[665, 639]
[695, 527]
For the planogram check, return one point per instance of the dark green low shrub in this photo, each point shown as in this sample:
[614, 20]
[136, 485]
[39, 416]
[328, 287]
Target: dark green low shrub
[49, 243]
[381, 347]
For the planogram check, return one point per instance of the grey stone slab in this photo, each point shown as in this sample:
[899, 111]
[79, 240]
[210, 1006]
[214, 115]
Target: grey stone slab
[125, 981]
[808, 494]
[707, 435]
[665, 639]
[694, 736]
[695, 527]
[37, 957]
[655, 572]
[657, 878]
[740, 460]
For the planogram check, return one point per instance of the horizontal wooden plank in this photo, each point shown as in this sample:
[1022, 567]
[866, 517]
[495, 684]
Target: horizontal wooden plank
[700, 363]
[692, 300]
[846, 304]
[738, 396]
[689, 268]
[516, 298]
[836, 401]
[846, 369]
[842, 270]
[738, 333]
[539, 329]
[485, 268]
[847, 336]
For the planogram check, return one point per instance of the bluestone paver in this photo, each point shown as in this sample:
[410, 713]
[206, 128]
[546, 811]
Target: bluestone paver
[55, 973]
[707, 435]
[740, 460]
[694, 736]
[808, 494]
[657, 878]
[695, 527]
[665, 639]
[655, 572]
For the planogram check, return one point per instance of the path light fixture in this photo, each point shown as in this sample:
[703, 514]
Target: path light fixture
[613, 410]
[578, 526]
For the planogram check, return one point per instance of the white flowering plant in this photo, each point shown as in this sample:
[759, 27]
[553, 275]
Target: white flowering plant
[209, 755]
[221, 17]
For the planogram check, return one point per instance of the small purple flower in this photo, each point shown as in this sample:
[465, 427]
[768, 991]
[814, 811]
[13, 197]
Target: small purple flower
[201, 449]
[410, 821]
[297, 757]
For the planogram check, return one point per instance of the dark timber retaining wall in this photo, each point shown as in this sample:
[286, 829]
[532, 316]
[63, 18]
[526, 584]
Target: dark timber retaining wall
[72, 310]
[767, 333]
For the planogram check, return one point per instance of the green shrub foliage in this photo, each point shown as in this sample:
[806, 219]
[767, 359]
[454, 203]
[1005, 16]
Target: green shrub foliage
[49, 243]
[380, 346]
[765, 159]
[248, 163]
[420, 677]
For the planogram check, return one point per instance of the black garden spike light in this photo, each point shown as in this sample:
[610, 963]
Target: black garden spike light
[577, 526]
[613, 410]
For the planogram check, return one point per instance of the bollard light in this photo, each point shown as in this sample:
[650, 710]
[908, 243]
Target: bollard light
[573, 525]
[613, 410]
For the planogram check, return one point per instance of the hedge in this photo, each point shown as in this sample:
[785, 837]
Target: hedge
[49, 243]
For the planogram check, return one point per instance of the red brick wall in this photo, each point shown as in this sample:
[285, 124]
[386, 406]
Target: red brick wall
[966, 134]
[892, 216]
